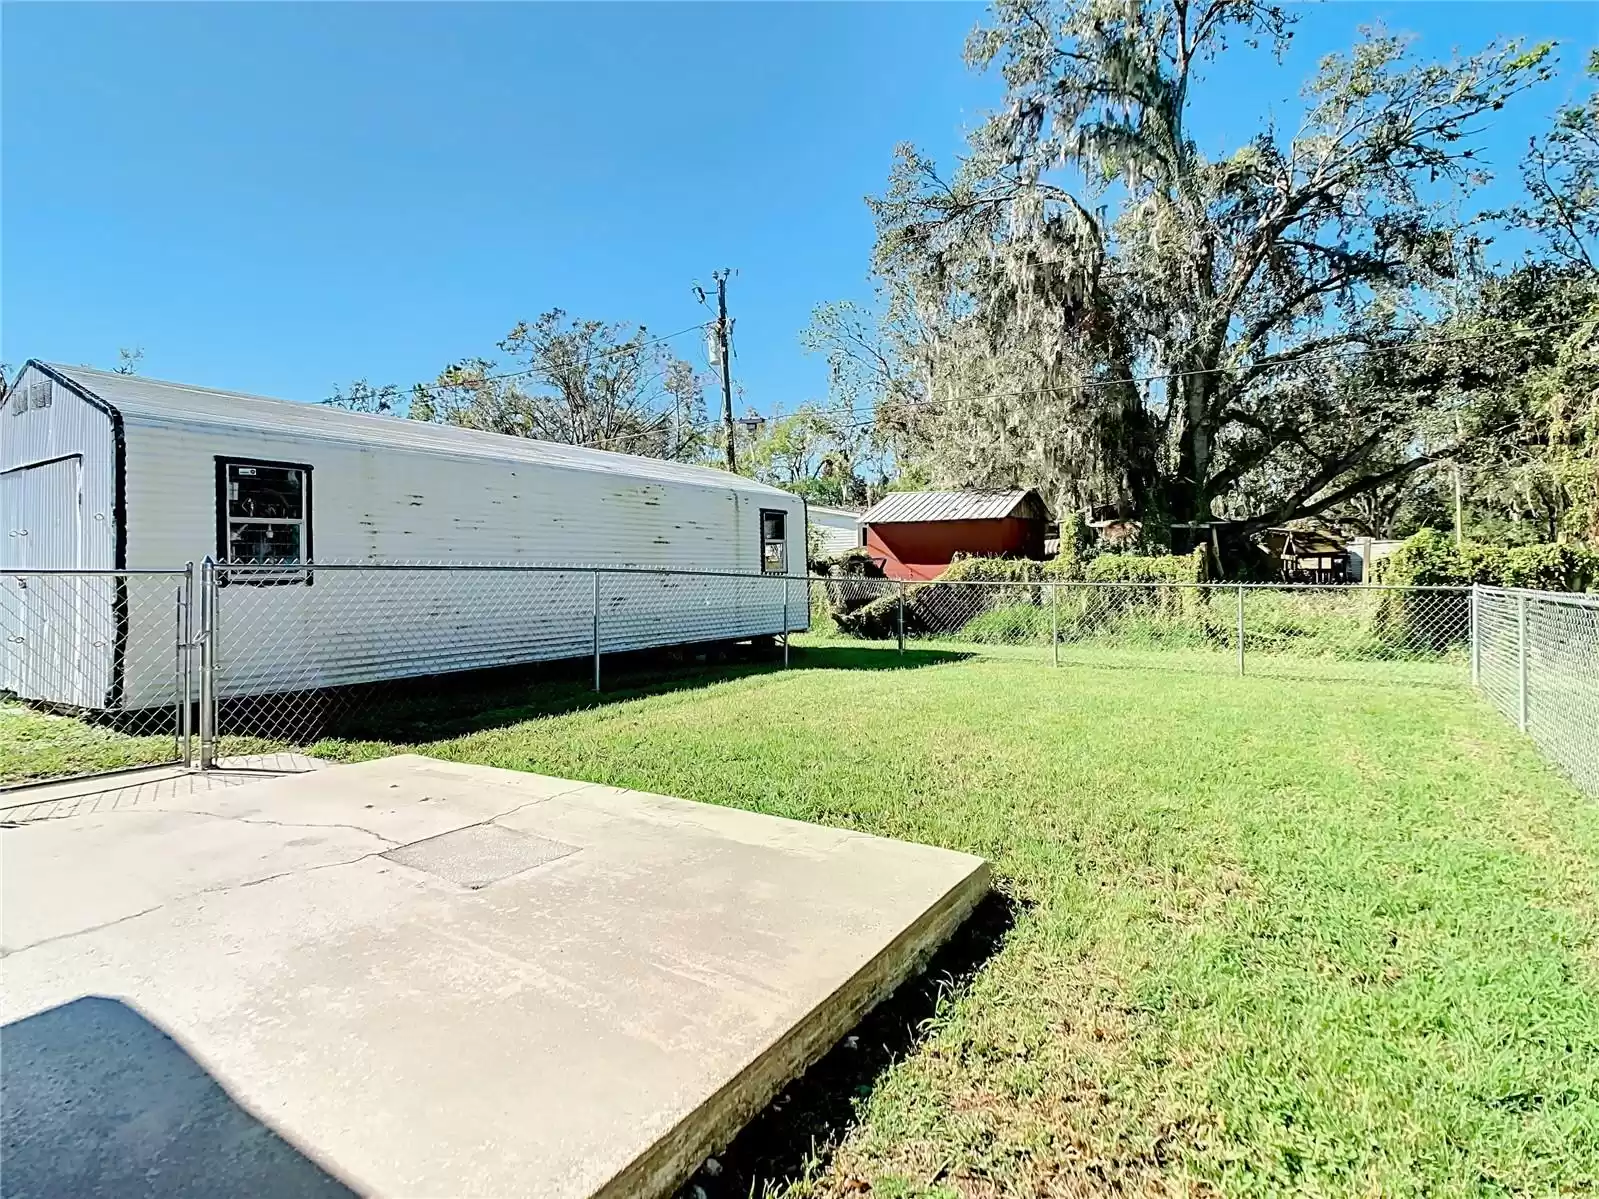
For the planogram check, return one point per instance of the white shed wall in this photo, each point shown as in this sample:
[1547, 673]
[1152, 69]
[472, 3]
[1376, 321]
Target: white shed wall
[58, 512]
[66, 425]
[837, 530]
[382, 504]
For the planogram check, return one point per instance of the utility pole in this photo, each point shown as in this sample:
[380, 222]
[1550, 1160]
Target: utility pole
[727, 364]
[1459, 491]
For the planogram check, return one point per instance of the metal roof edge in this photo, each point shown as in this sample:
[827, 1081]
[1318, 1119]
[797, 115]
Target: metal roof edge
[472, 444]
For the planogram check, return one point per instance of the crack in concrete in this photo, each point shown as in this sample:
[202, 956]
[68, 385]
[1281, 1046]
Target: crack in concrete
[222, 888]
[215, 889]
[354, 828]
[513, 811]
[78, 932]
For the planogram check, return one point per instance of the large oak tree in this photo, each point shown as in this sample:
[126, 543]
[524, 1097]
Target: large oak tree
[1091, 304]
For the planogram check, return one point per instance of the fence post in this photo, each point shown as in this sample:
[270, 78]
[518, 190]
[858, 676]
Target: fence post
[208, 663]
[596, 612]
[1521, 662]
[1054, 622]
[1475, 618]
[785, 620]
[185, 664]
[1240, 628]
[900, 617]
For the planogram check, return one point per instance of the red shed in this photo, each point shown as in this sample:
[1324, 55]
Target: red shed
[918, 533]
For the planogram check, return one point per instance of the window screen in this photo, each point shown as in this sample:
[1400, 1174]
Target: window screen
[774, 542]
[264, 511]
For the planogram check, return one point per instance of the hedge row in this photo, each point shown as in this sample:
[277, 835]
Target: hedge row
[1106, 568]
[1431, 558]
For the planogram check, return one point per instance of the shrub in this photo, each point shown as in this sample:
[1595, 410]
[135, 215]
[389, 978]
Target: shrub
[1131, 568]
[993, 570]
[876, 620]
[1551, 568]
[1431, 558]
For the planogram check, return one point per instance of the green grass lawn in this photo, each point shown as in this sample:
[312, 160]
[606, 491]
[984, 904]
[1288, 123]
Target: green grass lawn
[34, 745]
[1271, 935]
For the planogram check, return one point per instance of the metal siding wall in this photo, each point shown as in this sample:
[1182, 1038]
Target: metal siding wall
[386, 505]
[836, 534]
[67, 426]
[66, 626]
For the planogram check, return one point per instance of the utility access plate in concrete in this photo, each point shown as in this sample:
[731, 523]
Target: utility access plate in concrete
[411, 977]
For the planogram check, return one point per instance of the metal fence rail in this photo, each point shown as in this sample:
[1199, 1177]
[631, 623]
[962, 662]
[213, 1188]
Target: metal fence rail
[1536, 657]
[105, 652]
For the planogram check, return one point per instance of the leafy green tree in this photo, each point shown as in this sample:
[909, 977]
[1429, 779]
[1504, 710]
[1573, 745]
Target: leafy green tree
[1093, 305]
[1561, 177]
[579, 382]
[806, 452]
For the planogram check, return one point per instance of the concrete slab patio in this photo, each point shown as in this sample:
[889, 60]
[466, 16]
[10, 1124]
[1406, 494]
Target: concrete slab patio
[413, 977]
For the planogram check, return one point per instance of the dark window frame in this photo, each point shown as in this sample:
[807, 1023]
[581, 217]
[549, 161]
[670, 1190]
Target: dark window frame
[765, 541]
[290, 576]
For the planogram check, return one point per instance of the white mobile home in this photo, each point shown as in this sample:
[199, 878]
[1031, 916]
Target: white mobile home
[105, 471]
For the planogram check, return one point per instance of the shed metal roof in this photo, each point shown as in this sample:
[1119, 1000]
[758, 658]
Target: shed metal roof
[181, 404]
[915, 507]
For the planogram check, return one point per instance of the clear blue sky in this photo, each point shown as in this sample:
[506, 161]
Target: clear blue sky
[282, 197]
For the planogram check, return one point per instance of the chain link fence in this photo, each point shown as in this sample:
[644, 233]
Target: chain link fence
[1417, 634]
[247, 665]
[386, 651]
[1536, 657]
[95, 664]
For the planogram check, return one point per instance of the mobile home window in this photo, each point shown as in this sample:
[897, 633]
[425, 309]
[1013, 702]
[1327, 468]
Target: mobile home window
[774, 542]
[264, 516]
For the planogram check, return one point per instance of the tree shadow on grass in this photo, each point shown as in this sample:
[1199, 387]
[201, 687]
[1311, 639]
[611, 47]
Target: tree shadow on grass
[798, 1131]
[437, 707]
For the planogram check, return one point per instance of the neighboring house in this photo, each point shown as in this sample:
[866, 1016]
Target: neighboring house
[917, 534]
[102, 471]
[836, 529]
[1308, 556]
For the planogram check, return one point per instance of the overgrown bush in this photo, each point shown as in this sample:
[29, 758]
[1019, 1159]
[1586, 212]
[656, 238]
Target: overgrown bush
[875, 620]
[852, 580]
[977, 569]
[1131, 568]
[1431, 558]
